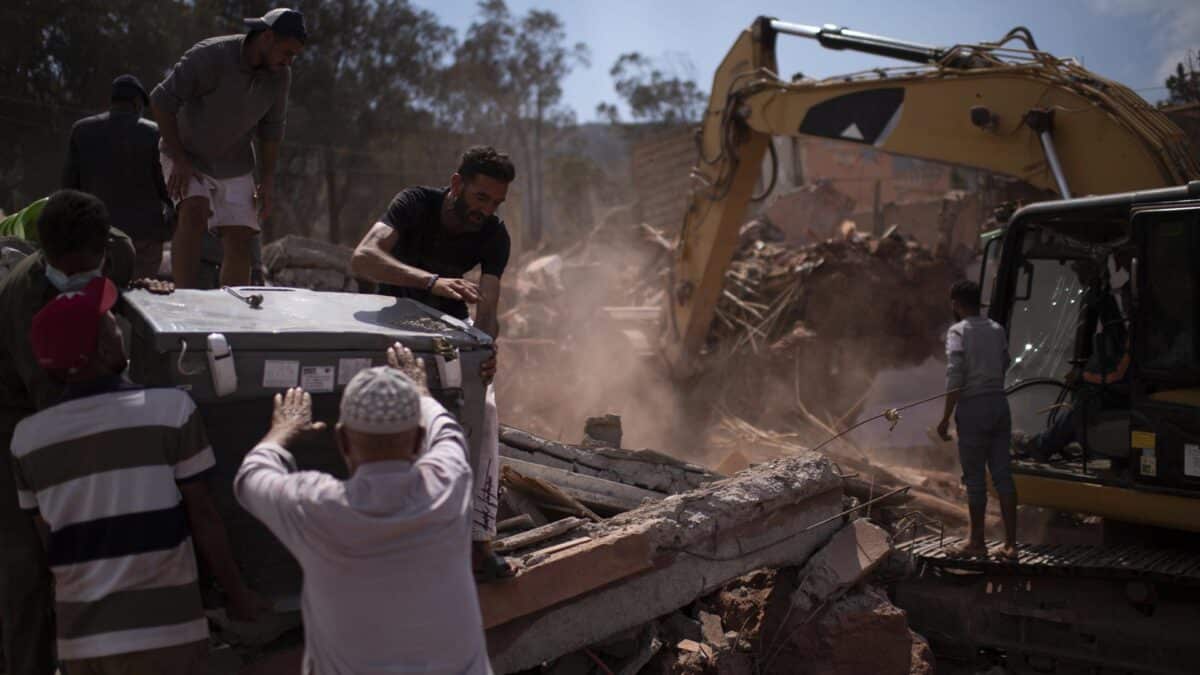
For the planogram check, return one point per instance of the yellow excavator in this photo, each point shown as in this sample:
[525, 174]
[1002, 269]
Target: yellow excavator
[1011, 109]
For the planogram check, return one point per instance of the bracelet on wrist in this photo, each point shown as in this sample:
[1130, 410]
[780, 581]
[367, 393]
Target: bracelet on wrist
[431, 283]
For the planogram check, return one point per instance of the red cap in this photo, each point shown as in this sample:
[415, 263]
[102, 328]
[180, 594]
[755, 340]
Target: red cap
[64, 332]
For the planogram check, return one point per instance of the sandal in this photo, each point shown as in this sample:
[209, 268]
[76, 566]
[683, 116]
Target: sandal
[966, 550]
[1008, 554]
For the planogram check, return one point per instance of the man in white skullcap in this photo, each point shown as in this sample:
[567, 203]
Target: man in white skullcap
[386, 554]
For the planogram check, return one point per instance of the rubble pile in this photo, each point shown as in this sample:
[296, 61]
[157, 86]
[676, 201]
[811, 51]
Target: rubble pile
[301, 262]
[766, 571]
[886, 293]
[797, 326]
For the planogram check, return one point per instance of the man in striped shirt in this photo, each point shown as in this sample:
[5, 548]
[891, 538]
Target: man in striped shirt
[113, 474]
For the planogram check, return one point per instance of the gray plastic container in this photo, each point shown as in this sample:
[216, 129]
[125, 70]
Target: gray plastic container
[294, 337]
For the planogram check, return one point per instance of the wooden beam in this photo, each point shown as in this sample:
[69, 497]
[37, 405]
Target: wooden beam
[519, 541]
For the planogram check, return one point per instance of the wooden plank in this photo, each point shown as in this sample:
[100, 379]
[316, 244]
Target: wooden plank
[544, 491]
[571, 543]
[521, 503]
[548, 531]
[565, 575]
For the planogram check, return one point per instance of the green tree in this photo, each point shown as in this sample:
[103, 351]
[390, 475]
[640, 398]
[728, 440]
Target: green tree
[58, 61]
[505, 88]
[654, 92]
[366, 79]
[1184, 85]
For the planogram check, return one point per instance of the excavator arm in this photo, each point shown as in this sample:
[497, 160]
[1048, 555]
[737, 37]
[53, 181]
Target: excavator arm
[1017, 112]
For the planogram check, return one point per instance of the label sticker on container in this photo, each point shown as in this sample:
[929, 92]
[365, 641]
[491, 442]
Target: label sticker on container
[316, 379]
[348, 368]
[1191, 460]
[1149, 463]
[280, 374]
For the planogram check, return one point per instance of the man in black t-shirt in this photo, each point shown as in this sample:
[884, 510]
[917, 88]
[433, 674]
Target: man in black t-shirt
[420, 249]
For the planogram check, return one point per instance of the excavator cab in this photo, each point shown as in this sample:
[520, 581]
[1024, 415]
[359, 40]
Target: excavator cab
[1101, 299]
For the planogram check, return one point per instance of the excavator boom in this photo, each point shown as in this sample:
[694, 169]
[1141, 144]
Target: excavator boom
[1018, 112]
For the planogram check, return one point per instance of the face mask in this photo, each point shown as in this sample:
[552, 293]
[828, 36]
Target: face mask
[75, 282]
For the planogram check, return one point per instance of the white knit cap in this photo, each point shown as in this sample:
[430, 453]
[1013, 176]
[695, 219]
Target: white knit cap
[381, 400]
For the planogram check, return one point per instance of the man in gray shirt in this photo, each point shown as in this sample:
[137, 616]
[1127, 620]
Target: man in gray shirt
[976, 360]
[114, 155]
[386, 553]
[218, 97]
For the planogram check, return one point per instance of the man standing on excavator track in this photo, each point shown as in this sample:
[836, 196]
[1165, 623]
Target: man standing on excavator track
[421, 248]
[976, 360]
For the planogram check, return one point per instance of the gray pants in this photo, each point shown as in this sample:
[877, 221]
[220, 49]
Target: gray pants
[26, 601]
[984, 435]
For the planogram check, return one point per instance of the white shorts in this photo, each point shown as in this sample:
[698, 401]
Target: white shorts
[230, 200]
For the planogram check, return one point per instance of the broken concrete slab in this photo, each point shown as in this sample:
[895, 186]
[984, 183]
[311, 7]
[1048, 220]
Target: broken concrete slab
[864, 617]
[646, 469]
[591, 491]
[652, 560]
[852, 554]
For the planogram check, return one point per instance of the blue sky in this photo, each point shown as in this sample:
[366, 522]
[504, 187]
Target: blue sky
[1133, 41]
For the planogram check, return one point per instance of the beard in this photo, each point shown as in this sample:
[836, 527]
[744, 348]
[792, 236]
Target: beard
[464, 214]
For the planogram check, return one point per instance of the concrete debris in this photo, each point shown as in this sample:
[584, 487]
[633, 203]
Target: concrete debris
[603, 431]
[860, 632]
[595, 493]
[852, 554]
[653, 560]
[922, 661]
[645, 469]
[695, 648]
[711, 629]
[301, 262]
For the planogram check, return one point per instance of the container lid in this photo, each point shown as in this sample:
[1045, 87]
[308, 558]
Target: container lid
[291, 319]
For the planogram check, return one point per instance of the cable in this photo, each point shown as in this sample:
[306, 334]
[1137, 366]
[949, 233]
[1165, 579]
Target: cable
[892, 415]
[774, 172]
[179, 363]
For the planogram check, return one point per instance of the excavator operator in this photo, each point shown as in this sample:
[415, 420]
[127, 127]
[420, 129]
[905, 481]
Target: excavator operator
[1103, 341]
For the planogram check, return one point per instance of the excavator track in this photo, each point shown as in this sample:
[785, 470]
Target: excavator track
[1110, 562]
[1061, 609]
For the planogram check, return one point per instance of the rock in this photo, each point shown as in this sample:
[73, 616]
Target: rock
[853, 553]
[711, 629]
[301, 252]
[603, 431]
[313, 279]
[691, 646]
[922, 662]
[865, 617]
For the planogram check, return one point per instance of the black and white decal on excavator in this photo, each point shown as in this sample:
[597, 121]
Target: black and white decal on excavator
[863, 117]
